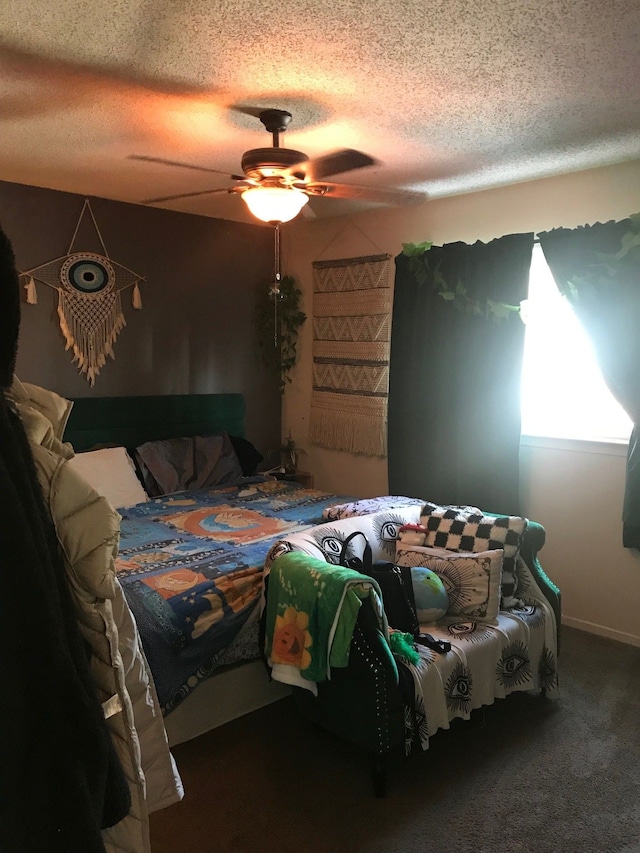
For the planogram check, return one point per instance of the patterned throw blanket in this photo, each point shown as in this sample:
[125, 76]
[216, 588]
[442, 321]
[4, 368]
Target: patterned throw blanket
[312, 607]
[190, 565]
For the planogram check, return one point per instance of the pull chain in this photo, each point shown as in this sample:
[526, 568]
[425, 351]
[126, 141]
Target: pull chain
[276, 293]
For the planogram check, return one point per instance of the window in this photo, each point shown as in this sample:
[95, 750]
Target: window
[563, 392]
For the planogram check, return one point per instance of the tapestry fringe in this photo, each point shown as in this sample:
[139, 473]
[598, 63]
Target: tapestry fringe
[136, 298]
[90, 344]
[354, 433]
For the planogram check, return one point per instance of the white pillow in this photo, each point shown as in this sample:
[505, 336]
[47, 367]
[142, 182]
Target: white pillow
[112, 474]
[472, 580]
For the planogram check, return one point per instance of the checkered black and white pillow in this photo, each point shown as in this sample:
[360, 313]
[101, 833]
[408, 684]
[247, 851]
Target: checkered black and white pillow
[466, 528]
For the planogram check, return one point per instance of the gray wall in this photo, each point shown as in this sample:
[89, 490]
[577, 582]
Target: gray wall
[195, 332]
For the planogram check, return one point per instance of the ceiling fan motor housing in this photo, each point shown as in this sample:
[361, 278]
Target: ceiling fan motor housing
[269, 162]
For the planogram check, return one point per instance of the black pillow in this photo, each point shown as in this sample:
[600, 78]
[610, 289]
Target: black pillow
[247, 454]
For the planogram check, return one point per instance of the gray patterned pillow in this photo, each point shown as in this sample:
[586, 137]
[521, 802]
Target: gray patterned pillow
[368, 506]
[194, 462]
[472, 581]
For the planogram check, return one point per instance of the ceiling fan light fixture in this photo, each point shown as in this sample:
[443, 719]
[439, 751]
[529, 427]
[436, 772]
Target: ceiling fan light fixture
[275, 204]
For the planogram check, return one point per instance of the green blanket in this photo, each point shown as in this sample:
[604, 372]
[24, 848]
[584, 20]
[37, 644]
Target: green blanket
[312, 607]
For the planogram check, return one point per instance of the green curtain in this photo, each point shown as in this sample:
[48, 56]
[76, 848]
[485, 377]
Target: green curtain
[597, 267]
[454, 375]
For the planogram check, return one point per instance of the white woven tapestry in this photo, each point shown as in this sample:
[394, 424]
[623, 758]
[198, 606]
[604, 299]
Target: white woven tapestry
[351, 339]
[89, 305]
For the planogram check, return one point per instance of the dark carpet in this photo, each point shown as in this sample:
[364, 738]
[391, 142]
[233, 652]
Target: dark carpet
[534, 775]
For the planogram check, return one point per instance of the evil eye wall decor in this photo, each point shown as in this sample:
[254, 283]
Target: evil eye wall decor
[88, 285]
[87, 273]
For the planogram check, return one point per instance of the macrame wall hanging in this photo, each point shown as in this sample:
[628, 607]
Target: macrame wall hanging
[89, 304]
[351, 342]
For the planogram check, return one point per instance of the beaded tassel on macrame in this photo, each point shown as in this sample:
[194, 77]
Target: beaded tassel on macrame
[30, 287]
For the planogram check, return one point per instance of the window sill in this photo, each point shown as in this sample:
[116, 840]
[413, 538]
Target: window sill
[613, 447]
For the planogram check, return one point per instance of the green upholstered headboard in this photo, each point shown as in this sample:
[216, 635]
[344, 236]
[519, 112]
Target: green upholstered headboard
[130, 421]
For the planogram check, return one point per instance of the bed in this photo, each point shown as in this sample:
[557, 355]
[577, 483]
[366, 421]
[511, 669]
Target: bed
[190, 562]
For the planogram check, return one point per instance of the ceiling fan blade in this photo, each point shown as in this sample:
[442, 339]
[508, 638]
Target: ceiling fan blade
[379, 194]
[187, 195]
[247, 110]
[344, 160]
[164, 162]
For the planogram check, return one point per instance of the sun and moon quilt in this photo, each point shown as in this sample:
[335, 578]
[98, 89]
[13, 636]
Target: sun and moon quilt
[190, 564]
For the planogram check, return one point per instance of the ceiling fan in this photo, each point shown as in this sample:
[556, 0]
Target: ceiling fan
[278, 182]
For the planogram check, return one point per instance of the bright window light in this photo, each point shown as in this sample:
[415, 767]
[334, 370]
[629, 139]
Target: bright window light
[563, 392]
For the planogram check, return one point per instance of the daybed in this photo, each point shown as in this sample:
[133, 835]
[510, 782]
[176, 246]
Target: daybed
[502, 626]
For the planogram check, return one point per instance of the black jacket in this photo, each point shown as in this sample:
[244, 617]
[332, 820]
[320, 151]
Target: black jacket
[60, 779]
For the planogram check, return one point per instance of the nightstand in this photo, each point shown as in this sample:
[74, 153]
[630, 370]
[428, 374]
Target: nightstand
[303, 477]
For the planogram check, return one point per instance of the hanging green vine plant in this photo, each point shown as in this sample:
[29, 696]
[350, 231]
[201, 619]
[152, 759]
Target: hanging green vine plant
[456, 294]
[279, 319]
[609, 269]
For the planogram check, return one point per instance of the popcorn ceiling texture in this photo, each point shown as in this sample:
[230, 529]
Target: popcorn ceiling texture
[449, 96]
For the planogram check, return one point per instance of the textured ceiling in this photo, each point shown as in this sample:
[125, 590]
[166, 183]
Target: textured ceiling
[449, 97]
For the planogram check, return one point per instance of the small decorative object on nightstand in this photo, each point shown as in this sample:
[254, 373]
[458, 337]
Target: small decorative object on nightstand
[289, 456]
[288, 467]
